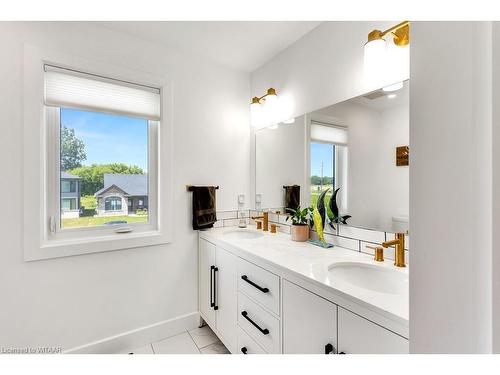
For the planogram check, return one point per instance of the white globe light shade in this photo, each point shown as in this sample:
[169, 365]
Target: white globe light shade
[271, 110]
[256, 115]
[375, 58]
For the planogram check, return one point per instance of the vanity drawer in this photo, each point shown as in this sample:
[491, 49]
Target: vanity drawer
[261, 285]
[261, 325]
[247, 345]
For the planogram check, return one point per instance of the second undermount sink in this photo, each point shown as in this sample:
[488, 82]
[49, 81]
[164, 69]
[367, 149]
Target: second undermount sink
[242, 234]
[370, 276]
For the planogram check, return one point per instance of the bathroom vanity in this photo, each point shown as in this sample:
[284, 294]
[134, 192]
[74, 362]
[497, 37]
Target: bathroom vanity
[263, 293]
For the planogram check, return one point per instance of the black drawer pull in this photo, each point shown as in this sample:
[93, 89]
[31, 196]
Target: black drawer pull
[329, 349]
[342, 353]
[263, 290]
[264, 331]
[216, 307]
[212, 303]
[244, 350]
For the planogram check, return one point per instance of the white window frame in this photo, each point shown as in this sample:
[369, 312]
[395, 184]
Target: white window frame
[327, 121]
[42, 238]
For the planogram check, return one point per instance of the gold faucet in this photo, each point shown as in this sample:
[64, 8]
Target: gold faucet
[399, 242]
[265, 217]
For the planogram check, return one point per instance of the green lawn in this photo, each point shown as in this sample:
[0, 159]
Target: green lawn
[90, 221]
[315, 195]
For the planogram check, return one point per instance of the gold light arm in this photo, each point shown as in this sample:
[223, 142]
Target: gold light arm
[401, 33]
[270, 91]
[396, 27]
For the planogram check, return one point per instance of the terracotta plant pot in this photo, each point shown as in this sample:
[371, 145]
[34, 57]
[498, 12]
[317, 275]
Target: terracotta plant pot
[300, 232]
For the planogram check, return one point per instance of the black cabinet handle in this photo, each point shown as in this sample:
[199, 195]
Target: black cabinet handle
[244, 350]
[216, 269]
[212, 303]
[342, 353]
[263, 290]
[329, 349]
[264, 331]
[211, 286]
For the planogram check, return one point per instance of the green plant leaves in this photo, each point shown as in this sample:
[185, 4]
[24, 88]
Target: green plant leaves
[321, 206]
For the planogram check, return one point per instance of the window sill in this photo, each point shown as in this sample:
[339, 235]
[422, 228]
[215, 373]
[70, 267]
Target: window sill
[118, 241]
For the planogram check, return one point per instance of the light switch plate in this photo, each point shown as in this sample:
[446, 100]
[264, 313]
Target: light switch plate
[258, 198]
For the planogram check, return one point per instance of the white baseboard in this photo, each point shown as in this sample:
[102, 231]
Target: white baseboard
[127, 341]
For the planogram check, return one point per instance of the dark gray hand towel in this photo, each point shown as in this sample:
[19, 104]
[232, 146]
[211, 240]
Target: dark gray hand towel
[292, 196]
[204, 207]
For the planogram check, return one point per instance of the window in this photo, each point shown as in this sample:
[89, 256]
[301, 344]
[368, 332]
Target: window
[103, 131]
[328, 162]
[108, 153]
[68, 204]
[77, 93]
[68, 186]
[113, 204]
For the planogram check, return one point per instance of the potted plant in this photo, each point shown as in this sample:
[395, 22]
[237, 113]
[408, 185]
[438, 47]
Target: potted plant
[300, 223]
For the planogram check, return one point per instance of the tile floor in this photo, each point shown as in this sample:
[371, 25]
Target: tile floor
[199, 340]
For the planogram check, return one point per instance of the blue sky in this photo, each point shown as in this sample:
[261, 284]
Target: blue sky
[321, 152]
[109, 138]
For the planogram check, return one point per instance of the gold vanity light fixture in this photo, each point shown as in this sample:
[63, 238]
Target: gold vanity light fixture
[270, 97]
[376, 47]
[264, 110]
[400, 33]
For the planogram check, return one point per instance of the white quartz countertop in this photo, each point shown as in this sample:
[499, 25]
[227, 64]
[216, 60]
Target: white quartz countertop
[312, 264]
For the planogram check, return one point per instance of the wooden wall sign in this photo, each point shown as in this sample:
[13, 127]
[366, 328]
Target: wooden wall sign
[402, 156]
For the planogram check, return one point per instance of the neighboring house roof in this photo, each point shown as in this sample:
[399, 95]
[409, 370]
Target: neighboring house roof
[130, 184]
[69, 175]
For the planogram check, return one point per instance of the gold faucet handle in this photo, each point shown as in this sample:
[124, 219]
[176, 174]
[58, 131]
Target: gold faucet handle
[258, 223]
[274, 227]
[379, 252]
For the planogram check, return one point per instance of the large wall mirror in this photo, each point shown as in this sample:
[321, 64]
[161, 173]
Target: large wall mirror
[360, 146]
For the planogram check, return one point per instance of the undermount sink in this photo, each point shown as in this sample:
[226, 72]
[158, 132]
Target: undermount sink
[370, 276]
[242, 235]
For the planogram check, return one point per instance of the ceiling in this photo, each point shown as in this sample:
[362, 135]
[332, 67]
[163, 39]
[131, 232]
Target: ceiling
[242, 46]
[377, 100]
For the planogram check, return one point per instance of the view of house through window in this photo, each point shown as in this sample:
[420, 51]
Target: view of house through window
[104, 166]
[322, 170]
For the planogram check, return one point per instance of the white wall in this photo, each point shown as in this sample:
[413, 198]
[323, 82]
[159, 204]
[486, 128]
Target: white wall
[71, 301]
[281, 160]
[496, 185]
[393, 181]
[323, 68]
[450, 188]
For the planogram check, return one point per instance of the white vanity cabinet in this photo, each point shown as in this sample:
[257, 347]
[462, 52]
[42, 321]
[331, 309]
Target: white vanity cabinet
[313, 325]
[309, 322]
[256, 308]
[356, 335]
[218, 290]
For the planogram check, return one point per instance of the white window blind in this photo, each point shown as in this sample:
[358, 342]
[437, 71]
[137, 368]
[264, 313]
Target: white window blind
[68, 88]
[328, 133]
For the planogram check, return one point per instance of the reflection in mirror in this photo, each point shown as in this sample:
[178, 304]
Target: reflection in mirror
[280, 156]
[359, 146]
